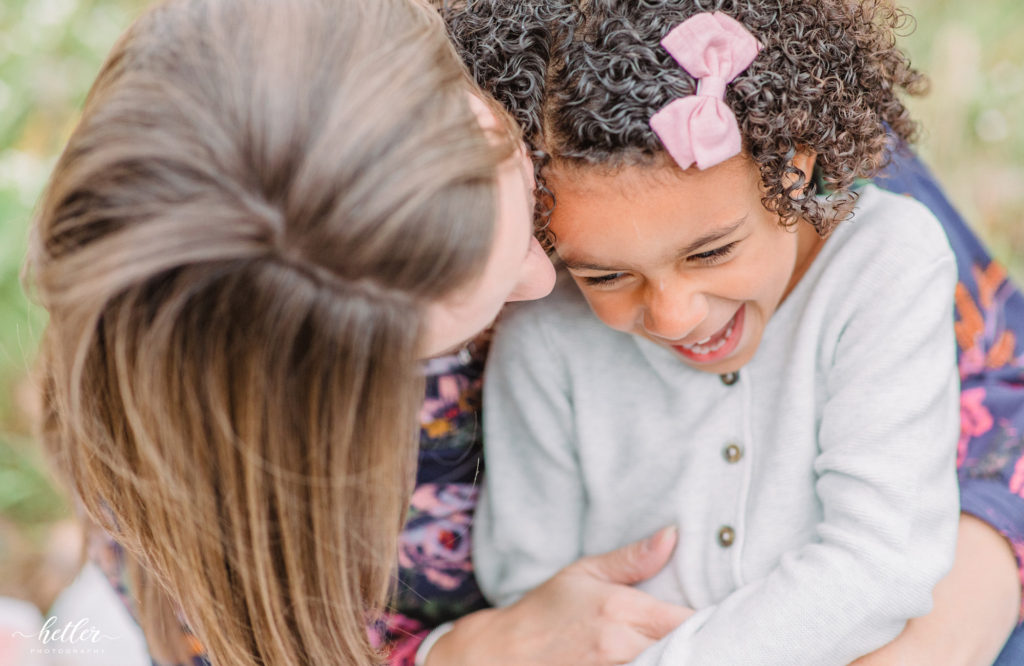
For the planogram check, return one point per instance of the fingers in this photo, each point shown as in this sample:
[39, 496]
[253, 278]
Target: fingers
[609, 622]
[651, 617]
[637, 622]
[621, 645]
[633, 563]
[660, 618]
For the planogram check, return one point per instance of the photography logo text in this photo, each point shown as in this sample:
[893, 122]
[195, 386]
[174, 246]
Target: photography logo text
[75, 637]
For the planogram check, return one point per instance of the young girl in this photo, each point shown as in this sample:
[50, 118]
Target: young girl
[730, 361]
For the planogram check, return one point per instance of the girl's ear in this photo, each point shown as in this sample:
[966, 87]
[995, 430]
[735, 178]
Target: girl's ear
[804, 160]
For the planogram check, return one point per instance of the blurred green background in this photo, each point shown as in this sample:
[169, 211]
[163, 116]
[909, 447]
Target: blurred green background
[50, 50]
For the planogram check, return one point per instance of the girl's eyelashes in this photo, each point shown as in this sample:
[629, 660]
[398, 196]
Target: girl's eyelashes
[714, 256]
[708, 258]
[602, 279]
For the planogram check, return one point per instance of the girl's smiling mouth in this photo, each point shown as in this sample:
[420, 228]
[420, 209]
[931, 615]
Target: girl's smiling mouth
[717, 346]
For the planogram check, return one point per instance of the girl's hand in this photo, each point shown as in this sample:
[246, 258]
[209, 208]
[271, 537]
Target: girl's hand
[586, 614]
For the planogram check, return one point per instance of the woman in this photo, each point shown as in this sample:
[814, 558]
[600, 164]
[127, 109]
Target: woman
[570, 619]
[267, 214]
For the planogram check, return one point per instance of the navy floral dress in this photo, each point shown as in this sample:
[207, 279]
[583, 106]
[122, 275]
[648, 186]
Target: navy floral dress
[435, 572]
[990, 350]
[436, 581]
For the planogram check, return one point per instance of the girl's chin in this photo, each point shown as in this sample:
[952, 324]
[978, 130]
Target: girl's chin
[720, 368]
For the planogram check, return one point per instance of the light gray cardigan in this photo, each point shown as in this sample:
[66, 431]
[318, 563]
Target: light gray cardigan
[816, 497]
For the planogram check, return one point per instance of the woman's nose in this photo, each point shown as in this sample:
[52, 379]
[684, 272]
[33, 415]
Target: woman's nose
[537, 277]
[673, 310]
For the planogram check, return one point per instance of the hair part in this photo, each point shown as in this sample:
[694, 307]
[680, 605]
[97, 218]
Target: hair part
[584, 77]
[236, 249]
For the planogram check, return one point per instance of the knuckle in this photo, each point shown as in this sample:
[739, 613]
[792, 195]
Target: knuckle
[608, 645]
[613, 606]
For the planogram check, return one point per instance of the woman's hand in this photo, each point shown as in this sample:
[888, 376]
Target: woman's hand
[976, 607]
[586, 614]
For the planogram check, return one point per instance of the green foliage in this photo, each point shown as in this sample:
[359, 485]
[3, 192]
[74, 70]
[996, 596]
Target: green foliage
[50, 50]
[26, 494]
[973, 135]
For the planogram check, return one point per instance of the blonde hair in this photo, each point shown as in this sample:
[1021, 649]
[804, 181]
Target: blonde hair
[235, 249]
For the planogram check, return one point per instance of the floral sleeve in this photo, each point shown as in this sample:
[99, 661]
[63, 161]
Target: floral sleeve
[435, 572]
[989, 331]
[111, 559]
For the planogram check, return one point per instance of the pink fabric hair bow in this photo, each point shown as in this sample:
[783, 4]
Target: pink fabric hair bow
[714, 48]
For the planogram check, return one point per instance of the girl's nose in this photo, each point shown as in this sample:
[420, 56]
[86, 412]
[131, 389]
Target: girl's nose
[537, 277]
[673, 310]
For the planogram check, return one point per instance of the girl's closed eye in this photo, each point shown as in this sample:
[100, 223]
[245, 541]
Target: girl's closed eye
[598, 280]
[707, 258]
[715, 256]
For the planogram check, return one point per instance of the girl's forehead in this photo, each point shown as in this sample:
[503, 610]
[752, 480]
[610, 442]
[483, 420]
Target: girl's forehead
[625, 179]
[599, 220]
[657, 192]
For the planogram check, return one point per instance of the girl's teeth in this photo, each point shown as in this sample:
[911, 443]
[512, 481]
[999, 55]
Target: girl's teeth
[702, 348]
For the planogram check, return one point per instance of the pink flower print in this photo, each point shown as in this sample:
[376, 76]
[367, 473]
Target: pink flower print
[442, 500]
[1017, 480]
[403, 653]
[392, 634]
[435, 541]
[449, 392]
[449, 388]
[972, 362]
[975, 419]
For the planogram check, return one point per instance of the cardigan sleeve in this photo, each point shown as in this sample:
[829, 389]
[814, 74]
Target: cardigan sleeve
[990, 349]
[530, 518]
[886, 482]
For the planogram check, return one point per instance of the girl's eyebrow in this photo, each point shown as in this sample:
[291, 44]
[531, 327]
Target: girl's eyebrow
[582, 265]
[711, 237]
[706, 239]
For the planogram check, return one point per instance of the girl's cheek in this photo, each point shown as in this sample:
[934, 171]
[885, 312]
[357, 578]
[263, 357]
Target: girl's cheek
[614, 311]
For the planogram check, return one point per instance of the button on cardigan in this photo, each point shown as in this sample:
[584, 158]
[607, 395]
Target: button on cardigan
[831, 529]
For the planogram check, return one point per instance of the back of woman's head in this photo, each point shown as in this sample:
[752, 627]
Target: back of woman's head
[584, 77]
[236, 249]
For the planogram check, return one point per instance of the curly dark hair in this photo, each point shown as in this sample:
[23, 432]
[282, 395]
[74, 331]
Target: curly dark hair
[584, 77]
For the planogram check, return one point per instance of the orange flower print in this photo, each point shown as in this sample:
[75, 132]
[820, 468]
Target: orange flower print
[982, 333]
[971, 324]
[989, 280]
[1001, 353]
